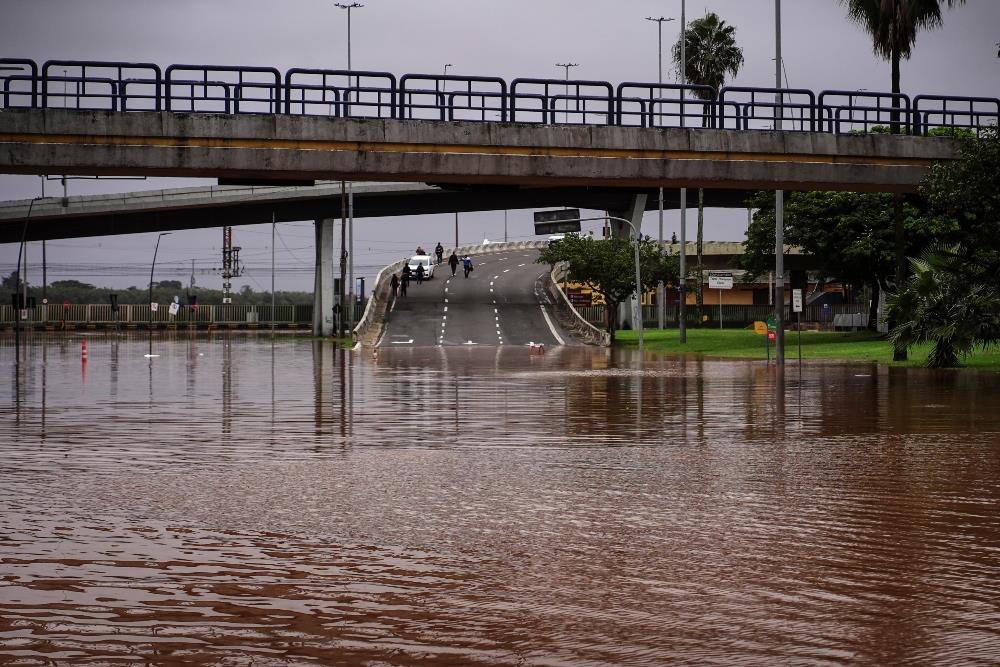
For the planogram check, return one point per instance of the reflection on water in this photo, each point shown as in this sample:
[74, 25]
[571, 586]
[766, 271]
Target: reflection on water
[238, 501]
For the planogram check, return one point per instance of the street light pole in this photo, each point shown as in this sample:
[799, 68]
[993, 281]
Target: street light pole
[17, 274]
[660, 306]
[779, 212]
[566, 66]
[682, 278]
[151, 269]
[350, 186]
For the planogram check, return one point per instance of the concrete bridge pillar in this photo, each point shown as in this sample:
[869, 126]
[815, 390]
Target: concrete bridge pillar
[629, 311]
[323, 282]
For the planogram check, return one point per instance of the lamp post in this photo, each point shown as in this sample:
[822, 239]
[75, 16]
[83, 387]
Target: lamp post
[779, 211]
[566, 66]
[660, 306]
[151, 269]
[17, 285]
[350, 187]
[682, 278]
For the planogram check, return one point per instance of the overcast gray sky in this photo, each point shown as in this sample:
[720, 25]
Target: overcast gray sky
[611, 41]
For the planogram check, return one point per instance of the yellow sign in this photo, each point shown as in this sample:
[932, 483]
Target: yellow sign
[760, 328]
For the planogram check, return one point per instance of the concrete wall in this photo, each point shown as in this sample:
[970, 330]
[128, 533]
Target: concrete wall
[35, 141]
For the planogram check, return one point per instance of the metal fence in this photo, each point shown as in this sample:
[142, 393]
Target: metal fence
[125, 86]
[742, 316]
[139, 315]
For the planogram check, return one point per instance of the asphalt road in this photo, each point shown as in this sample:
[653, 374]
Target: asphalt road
[498, 304]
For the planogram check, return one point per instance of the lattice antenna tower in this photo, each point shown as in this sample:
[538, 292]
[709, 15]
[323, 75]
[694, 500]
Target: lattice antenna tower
[231, 267]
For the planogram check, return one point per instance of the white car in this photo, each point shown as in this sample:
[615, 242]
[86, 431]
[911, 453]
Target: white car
[421, 260]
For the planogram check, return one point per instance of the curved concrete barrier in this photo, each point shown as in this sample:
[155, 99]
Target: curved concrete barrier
[567, 314]
[369, 327]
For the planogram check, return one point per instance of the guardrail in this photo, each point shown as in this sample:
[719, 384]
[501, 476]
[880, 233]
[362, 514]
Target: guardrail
[126, 86]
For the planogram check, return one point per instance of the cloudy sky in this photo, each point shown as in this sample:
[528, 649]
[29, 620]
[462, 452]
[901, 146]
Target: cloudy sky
[611, 41]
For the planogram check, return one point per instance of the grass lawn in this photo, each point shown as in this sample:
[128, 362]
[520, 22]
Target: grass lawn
[744, 343]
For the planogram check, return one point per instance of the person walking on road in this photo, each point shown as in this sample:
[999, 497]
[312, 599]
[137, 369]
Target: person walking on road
[394, 284]
[439, 252]
[453, 263]
[404, 282]
[467, 265]
[420, 274]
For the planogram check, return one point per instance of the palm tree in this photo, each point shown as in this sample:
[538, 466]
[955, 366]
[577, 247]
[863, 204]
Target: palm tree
[893, 26]
[941, 306]
[711, 53]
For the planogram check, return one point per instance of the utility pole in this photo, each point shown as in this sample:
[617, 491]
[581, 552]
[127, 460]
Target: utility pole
[779, 211]
[660, 306]
[681, 306]
[566, 66]
[273, 231]
[349, 308]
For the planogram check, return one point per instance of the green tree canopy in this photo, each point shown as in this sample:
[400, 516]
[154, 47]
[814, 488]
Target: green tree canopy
[953, 298]
[608, 266]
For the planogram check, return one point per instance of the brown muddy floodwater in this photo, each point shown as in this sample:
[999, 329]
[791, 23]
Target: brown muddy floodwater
[234, 502]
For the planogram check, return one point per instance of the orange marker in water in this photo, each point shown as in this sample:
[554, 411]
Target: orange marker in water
[84, 350]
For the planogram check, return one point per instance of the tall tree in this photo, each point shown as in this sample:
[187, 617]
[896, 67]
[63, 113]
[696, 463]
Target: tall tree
[893, 26]
[711, 53]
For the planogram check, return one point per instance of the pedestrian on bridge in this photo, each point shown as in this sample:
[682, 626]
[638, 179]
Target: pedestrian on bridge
[467, 265]
[394, 284]
[439, 252]
[420, 274]
[404, 282]
[453, 263]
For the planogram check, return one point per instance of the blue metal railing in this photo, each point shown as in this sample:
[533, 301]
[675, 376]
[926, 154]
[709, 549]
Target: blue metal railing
[125, 86]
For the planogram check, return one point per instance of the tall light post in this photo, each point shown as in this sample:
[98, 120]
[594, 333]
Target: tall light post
[18, 276]
[682, 277]
[779, 211]
[152, 268]
[566, 67]
[350, 186]
[660, 306]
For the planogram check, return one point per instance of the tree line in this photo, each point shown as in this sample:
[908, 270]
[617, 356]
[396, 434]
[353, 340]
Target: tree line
[164, 291]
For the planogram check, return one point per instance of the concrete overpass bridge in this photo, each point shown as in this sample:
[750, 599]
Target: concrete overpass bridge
[307, 124]
[215, 206]
[261, 125]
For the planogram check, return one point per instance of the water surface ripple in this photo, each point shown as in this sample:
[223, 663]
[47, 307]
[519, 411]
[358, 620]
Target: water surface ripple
[235, 502]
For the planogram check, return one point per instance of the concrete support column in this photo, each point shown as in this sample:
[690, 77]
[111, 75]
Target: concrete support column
[629, 311]
[323, 282]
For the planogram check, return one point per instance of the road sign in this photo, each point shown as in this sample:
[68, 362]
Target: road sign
[796, 301]
[560, 221]
[760, 328]
[174, 307]
[720, 281]
[154, 307]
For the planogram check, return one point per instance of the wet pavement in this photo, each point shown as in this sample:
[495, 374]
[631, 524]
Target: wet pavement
[236, 502]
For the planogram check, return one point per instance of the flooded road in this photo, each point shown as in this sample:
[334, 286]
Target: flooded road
[234, 502]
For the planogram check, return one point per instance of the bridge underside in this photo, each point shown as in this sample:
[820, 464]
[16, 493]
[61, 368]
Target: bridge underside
[199, 207]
